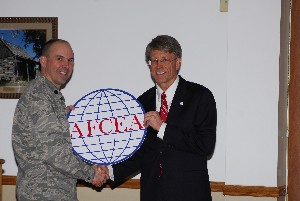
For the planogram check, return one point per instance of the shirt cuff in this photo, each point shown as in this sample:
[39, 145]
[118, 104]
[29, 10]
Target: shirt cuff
[161, 131]
[111, 172]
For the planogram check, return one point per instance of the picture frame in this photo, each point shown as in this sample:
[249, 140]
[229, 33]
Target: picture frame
[21, 42]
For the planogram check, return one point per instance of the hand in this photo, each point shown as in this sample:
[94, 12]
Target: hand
[69, 108]
[152, 119]
[101, 175]
[104, 170]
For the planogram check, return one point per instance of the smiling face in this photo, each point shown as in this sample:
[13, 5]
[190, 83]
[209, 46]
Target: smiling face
[165, 70]
[57, 65]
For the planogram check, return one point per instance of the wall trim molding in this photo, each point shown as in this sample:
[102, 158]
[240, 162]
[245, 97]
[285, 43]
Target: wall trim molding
[254, 191]
[230, 190]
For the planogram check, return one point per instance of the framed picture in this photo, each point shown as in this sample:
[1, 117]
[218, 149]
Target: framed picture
[21, 42]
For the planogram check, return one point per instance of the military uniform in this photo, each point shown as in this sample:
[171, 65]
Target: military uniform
[47, 167]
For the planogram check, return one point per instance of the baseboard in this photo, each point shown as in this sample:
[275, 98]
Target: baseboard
[254, 191]
[230, 190]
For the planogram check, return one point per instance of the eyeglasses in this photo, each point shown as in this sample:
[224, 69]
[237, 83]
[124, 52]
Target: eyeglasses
[163, 61]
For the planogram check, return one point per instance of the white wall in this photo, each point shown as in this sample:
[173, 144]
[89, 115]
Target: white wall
[252, 92]
[226, 52]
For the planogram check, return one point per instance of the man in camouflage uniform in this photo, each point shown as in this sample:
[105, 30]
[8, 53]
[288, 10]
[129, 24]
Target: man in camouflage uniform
[47, 167]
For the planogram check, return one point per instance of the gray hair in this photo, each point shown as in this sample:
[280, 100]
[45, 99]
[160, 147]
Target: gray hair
[163, 43]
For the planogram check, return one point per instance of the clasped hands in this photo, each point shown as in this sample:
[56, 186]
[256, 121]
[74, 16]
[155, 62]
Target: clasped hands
[101, 175]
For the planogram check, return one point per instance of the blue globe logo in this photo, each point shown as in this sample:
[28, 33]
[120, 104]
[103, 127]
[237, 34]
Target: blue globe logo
[106, 126]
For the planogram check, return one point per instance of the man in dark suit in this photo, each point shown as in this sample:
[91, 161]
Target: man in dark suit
[181, 131]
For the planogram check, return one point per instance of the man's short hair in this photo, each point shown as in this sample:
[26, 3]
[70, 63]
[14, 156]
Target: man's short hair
[163, 43]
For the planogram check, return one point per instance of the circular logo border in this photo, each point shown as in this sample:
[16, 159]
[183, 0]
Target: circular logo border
[137, 147]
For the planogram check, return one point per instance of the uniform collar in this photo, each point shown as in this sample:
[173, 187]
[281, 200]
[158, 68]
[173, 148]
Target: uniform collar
[49, 84]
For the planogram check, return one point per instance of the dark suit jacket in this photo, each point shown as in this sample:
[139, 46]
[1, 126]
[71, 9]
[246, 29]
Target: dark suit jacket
[189, 139]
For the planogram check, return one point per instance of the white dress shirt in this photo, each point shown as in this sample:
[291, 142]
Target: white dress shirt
[169, 96]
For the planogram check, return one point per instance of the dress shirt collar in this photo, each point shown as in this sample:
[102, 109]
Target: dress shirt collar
[170, 92]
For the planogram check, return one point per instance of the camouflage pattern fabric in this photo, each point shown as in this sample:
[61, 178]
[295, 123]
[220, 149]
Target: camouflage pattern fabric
[47, 167]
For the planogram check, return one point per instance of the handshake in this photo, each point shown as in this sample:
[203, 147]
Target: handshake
[101, 175]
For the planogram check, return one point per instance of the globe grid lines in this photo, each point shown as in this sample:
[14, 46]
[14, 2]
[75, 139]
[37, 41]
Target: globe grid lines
[112, 103]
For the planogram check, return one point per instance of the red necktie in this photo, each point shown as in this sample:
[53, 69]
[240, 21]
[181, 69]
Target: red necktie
[164, 107]
[163, 114]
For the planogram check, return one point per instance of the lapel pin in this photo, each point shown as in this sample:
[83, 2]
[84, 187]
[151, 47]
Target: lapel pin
[181, 103]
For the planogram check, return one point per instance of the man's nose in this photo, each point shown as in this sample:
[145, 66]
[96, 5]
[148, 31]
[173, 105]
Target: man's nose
[160, 63]
[68, 63]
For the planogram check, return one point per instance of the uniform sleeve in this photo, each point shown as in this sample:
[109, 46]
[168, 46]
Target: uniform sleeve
[53, 143]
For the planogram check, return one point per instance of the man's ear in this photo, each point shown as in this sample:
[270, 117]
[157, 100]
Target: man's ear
[43, 61]
[178, 64]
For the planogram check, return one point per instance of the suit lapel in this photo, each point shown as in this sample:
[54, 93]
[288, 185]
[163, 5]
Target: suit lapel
[151, 100]
[149, 103]
[178, 101]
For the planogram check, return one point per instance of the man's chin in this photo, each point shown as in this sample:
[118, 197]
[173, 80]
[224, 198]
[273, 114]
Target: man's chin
[63, 82]
[160, 81]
